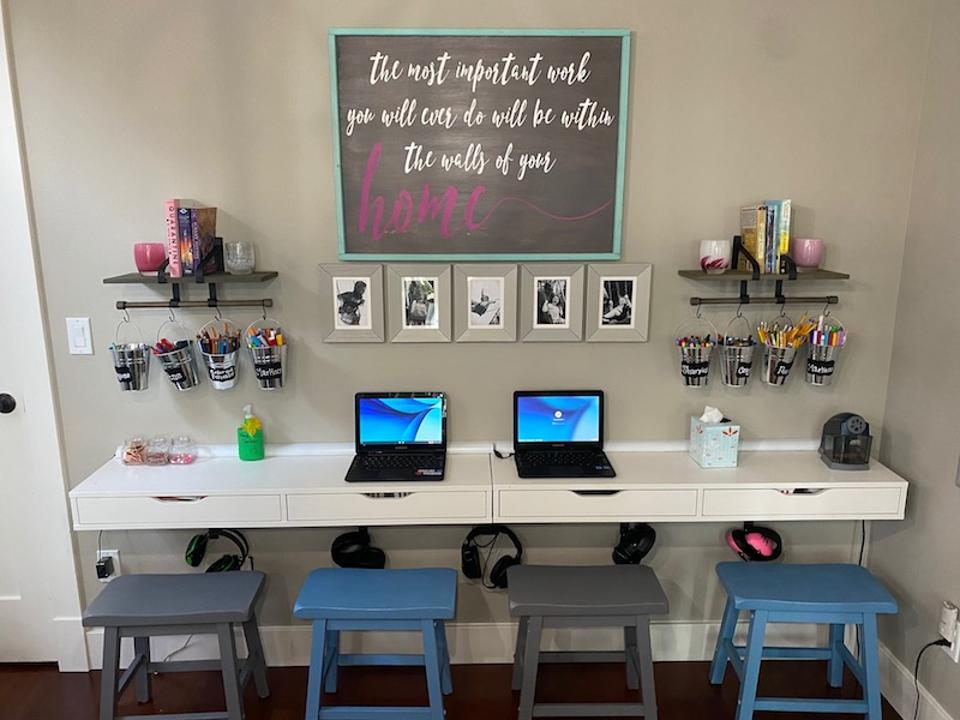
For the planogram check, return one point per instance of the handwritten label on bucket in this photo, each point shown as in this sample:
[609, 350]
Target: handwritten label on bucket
[222, 374]
[175, 373]
[743, 369]
[694, 369]
[783, 368]
[268, 371]
[820, 367]
[124, 374]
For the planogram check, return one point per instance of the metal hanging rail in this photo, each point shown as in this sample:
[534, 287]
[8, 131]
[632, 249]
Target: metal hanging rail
[212, 303]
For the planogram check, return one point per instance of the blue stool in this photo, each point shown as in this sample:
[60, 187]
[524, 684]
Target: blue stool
[338, 599]
[834, 595]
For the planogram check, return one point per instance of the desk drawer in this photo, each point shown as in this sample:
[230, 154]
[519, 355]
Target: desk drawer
[819, 503]
[413, 508]
[591, 505]
[193, 511]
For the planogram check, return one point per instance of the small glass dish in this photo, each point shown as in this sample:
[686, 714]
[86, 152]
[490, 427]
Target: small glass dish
[183, 451]
[134, 451]
[158, 451]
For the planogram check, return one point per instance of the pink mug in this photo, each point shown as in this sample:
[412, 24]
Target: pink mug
[807, 253]
[149, 256]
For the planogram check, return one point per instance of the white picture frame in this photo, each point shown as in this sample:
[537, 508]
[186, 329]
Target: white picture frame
[551, 306]
[419, 303]
[485, 299]
[618, 302]
[358, 318]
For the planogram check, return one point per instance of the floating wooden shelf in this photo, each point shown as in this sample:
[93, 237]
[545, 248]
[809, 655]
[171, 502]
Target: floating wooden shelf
[153, 279]
[748, 275]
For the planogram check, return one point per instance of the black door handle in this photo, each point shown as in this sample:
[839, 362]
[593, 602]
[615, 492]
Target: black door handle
[7, 403]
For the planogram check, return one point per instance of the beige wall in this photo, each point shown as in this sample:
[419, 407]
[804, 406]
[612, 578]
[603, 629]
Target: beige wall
[918, 557]
[125, 104]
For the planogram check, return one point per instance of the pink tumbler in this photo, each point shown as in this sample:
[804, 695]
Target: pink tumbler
[149, 256]
[807, 253]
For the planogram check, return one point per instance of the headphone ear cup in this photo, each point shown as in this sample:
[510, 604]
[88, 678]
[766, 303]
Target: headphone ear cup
[635, 544]
[226, 563]
[470, 562]
[196, 550]
[498, 575]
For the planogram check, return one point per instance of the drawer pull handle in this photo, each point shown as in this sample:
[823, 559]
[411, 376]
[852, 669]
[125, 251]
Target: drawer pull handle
[589, 493]
[179, 498]
[387, 495]
[803, 491]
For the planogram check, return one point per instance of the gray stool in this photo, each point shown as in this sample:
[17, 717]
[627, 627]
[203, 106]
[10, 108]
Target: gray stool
[140, 606]
[618, 596]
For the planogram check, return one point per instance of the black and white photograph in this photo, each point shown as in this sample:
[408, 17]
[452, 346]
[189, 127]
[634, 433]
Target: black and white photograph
[486, 303]
[553, 303]
[352, 310]
[420, 308]
[618, 298]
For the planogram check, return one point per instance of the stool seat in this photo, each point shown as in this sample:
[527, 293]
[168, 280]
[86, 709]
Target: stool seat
[181, 599]
[802, 588]
[353, 593]
[547, 590]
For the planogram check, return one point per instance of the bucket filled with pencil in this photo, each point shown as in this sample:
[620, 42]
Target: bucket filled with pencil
[131, 361]
[695, 342]
[781, 339]
[268, 351]
[219, 345]
[825, 341]
[176, 356]
[736, 352]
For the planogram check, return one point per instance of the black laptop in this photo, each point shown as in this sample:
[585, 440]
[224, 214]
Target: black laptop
[400, 436]
[559, 434]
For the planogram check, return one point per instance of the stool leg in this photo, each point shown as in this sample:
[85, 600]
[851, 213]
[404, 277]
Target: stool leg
[751, 665]
[229, 669]
[141, 646]
[871, 666]
[251, 632]
[315, 679]
[531, 662]
[446, 679]
[331, 669]
[431, 663]
[727, 628]
[629, 650]
[108, 676]
[645, 656]
[835, 665]
[518, 653]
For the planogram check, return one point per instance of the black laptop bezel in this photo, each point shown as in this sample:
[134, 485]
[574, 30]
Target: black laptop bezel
[549, 446]
[413, 448]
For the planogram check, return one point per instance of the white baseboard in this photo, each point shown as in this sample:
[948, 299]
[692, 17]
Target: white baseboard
[897, 683]
[72, 642]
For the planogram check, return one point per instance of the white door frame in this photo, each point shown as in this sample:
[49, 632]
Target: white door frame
[51, 547]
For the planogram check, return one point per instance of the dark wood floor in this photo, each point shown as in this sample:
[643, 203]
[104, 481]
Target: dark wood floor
[481, 692]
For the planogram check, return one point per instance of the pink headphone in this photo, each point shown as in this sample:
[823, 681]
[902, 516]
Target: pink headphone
[755, 543]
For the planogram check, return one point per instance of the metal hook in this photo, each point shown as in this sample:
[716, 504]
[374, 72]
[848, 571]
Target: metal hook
[738, 313]
[217, 313]
[264, 309]
[126, 315]
[826, 310]
[173, 318]
[699, 311]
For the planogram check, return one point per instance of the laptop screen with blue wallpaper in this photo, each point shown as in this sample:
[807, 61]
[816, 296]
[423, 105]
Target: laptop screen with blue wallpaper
[405, 420]
[558, 418]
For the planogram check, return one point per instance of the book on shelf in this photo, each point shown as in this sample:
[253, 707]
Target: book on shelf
[203, 226]
[191, 236]
[765, 229]
[753, 230]
[174, 266]
[185, 238]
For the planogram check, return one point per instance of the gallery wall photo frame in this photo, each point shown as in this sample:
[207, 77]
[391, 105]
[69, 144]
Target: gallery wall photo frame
[485, 302]
[351, 303]
[419, 303]
[551, 302]
[618, 302]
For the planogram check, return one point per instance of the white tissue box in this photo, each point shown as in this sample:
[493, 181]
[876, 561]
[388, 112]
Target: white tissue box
[714, 445]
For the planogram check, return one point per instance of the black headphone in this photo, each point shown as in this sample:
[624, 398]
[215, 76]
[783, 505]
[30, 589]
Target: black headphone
[470, 555]
[353, 550]
[197, 549]
[755, 543]
[636, 541]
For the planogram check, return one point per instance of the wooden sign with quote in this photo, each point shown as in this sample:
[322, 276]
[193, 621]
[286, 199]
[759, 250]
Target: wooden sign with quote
[479, 144]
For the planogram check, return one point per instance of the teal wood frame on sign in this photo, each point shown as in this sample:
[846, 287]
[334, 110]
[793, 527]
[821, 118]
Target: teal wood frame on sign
[575, 244]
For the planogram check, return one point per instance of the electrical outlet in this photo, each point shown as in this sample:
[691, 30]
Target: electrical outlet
[949, 629]
[114, 556]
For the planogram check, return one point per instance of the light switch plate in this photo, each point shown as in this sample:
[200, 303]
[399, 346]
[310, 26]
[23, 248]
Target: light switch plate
[79, 339]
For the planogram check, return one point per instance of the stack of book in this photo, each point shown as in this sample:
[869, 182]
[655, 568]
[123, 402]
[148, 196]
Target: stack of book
[191, 237]
[765, 228]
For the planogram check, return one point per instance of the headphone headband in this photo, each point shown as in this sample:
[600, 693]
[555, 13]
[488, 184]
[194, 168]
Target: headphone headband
[493, 530]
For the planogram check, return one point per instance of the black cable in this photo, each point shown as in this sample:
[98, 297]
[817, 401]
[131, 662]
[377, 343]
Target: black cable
[502, 456]
[99, 544]
[863, 544]
[916, 672]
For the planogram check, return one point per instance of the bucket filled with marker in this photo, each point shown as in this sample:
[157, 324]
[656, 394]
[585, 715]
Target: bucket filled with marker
[825, 341]
[219, 345]
[268, 351]
[176, 355]
[781, 340]
[131, 360]
[695, 342]
[737, 345]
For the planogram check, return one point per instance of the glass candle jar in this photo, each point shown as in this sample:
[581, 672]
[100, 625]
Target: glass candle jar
[158, 451]
[134, 452]
[239, 257]
[182, 451]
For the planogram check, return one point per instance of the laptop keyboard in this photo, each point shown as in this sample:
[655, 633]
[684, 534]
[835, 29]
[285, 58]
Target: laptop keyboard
[401, 461]
[562, 458]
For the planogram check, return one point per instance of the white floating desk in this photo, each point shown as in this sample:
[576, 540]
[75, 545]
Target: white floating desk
[309, 491]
